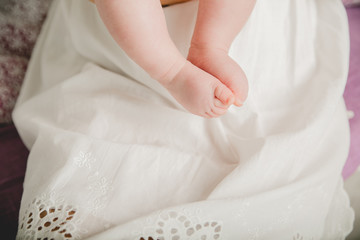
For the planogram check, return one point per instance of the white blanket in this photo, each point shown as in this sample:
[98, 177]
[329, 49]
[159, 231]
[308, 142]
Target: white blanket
[113, 156]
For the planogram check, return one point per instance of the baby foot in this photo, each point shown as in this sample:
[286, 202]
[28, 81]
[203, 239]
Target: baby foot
[217, 62]
[199, 92]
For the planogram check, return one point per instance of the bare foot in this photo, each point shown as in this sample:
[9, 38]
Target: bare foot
[217, 62]
[199, 92]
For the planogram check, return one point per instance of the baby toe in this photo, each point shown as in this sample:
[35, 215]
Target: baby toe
[219, 104]
[209, 115]
[239, 86]
[219, 112]
[224, 94]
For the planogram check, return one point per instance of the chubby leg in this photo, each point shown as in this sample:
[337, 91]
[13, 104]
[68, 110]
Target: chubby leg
[139, 27]
[217, 25]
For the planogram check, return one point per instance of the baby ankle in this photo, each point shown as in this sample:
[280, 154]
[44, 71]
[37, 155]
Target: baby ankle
[170, 71]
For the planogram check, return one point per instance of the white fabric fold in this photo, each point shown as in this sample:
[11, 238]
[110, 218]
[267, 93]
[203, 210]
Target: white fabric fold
[113, 156]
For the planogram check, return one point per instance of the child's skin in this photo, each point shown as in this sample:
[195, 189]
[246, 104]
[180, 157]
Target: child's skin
[209, 81]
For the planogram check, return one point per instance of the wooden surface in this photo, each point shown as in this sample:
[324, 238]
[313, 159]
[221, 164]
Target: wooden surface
[169, 2]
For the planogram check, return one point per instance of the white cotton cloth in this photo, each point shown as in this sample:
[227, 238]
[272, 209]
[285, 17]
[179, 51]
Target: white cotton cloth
[113, 156]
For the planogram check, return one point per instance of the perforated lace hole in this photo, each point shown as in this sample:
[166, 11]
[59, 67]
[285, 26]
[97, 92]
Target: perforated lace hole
[28, 227]
[47, 224]
[22, 226]
[55, 219]
[69, 218]
[30, 220]
[218, 229]
[63, 223]
[43, 214]
[51, 210]
[30, 215]
[63, 231]
[190, 231]
[149, 238]
[68, 235]
[39, 228]
[55, 229]
[71, 212]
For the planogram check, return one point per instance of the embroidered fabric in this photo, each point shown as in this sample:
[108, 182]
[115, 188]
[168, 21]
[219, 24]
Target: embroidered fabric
[98, 186]
[51, 217]
[175, 225]
[45, 219]
[298, 236]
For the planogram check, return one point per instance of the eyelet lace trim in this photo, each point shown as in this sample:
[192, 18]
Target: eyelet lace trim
[300, 237]
[174, 225]
[46, 220]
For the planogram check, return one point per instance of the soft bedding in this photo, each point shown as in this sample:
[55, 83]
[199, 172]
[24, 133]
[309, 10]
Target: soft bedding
[113, 156]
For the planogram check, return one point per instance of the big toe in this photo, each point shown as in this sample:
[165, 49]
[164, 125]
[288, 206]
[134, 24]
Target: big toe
[235, 79]
[241, 90]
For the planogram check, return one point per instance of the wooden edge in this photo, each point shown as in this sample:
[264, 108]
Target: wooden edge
[163, 2]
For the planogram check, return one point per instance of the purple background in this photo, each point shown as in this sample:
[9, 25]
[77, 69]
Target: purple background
[352, 91]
